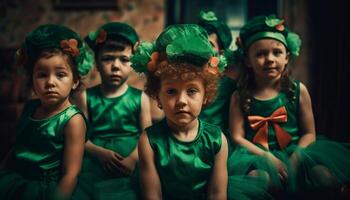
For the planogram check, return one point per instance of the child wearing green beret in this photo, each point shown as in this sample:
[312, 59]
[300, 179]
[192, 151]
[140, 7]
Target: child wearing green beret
[271, 118]
[117, 113]
[181, 156]
[220, 38]
[50, 135]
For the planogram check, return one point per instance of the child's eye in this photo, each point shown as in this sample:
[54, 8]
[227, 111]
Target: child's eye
[125, 59]
[40, 75]
[170, 91]
[259, 54]
[277, 52]
[61, 74]
[192, 91]
[107, 59]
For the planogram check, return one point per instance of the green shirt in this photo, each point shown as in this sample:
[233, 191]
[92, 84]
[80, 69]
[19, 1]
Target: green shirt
[115, 122]
[184, 168]
[40, 143]
[265, 108]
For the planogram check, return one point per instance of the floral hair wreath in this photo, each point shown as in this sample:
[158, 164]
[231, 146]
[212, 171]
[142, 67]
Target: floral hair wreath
[263, 25]
[146, 57]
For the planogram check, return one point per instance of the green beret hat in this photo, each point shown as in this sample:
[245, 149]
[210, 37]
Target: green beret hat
[261, 27]
[112, 30]
[181, 42]
[211, 24]
[50, 36]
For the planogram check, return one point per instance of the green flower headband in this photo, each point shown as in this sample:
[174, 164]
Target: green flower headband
[266, 27]
[51, 36]
[182, 42]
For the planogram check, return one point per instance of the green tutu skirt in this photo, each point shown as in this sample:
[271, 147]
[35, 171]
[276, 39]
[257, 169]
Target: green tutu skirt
[319, 159]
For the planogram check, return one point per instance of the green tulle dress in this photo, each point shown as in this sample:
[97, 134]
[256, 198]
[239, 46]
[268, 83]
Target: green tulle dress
[37, 163]
[332, 155]
[184, 168]
[115, 125]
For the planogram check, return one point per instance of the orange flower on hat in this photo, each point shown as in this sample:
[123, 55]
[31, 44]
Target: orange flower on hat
[151, 65]
[102, 36]
[70, 46]
[280, 26]
[213, 61]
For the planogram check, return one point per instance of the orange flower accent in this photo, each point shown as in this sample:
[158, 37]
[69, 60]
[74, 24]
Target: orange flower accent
[70, 46]
[102, 36]
[213, 61]
[280, 26]
[260, 124]
[239, 42]
[151, 65]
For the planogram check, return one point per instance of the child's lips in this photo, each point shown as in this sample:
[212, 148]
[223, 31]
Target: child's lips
[115, 77]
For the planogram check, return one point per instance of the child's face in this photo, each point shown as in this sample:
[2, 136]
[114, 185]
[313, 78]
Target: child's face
[53, 80]
[114, 66]
[268, 59]
[181, 101]
[214, 41]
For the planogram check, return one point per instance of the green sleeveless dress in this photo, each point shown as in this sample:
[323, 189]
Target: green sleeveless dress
[37, 165]
[217, 112]
[114, 125]
[184, 168]
[276, 120]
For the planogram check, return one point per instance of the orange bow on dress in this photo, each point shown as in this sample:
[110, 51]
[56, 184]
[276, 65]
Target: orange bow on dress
[261, 124]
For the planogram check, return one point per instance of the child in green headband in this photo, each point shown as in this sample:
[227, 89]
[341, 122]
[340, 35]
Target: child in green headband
[117, 112]
[271, 117]
[51, 131]
[181, 157]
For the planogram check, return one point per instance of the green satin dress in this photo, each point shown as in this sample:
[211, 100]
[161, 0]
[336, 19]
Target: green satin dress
[217, 112]
[37, 165]
[330, 154]
[115, 125]
[184, 168]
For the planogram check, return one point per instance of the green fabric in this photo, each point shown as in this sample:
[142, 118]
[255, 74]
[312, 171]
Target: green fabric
[181, 43]
[49, 36]
[38, 156]
[184, 168]
[266, 107]
[114, 29]
[211, 24]
[185, 42]
[115, 122]
[217, 112]
[261, 27]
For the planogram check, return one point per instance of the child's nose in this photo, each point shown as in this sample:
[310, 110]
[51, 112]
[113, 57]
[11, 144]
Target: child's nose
[182, 100]
[116, 64]
[50, 81]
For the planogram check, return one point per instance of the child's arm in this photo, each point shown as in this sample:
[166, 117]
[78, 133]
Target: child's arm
[218, 183]
[149, 178]
[237, 127]
[79, 99]
[238, 135]
[145, 114]
[306, 118]
[74, 134]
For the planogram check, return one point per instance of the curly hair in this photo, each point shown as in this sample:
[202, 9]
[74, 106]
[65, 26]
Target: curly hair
[246, 85]
[183, 71]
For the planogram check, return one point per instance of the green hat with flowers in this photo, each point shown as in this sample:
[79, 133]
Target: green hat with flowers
[50, 36]
[211, 24]
[179, 43]
[271, 27]
[112, 30]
